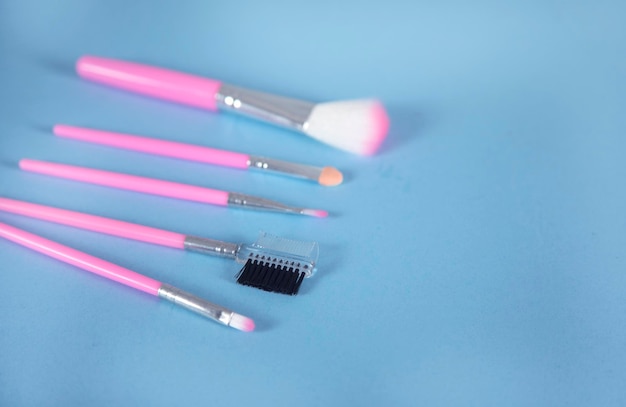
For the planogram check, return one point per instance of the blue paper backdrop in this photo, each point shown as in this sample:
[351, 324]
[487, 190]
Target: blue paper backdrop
[476, 260]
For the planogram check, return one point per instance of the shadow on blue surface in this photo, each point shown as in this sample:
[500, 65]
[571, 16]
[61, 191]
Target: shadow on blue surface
[405, 123]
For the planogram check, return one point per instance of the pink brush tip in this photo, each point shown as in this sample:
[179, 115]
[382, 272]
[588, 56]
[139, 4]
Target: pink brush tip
[242, 323]
[380, 127]
[318, 213]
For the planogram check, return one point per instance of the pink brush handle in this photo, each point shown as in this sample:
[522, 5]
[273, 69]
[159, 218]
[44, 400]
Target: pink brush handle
[80, 259]
[154, 146]
[94, 223]
[158, 82]
[129, 182]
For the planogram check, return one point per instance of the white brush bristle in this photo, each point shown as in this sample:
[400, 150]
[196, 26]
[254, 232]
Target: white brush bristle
[242, 323]
[358, 126]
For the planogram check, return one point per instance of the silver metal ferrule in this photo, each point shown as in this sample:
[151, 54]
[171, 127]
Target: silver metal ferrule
[254, 202]
[211, 247]
[196, 304]
[285, 167]
[280, 110]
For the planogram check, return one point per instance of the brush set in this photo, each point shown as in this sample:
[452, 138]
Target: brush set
[273, 264]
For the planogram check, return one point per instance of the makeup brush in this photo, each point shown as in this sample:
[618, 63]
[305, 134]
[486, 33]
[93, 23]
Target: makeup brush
[163, 188]
[127, 277]
[358, 126]
[272, 263]
[327, 176]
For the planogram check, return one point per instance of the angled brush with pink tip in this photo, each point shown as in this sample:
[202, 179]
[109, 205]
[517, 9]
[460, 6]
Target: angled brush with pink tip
[164, 188]
[358, 126]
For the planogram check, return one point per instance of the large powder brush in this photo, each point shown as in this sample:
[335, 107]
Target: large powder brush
[358, 126]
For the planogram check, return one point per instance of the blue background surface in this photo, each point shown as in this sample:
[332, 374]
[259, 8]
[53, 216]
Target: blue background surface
[476, 260]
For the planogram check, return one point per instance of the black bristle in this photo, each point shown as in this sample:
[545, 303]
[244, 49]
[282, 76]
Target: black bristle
[241, 275]
[275, 276]
[296, 287]
[287, 282]
[271, 277]
[254, 274]
[295, 276]
[279, 281]
[246, 272]
[259, 275]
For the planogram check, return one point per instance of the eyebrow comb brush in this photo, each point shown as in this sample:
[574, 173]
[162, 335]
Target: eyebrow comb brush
[326, 176]
[271, 264]
[163, 188]
[127, 277]
[357, 126]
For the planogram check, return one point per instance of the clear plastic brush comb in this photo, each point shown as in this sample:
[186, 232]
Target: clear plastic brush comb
[271, 264]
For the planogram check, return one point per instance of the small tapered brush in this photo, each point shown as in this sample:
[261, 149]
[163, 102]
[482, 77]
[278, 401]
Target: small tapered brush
[127, 277]
[358, 126]
[272, 263]
[164, 188]
[326, 176]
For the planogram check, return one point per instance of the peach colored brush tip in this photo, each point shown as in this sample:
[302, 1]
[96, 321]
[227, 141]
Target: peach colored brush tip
[330, 177]
[242, 323]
